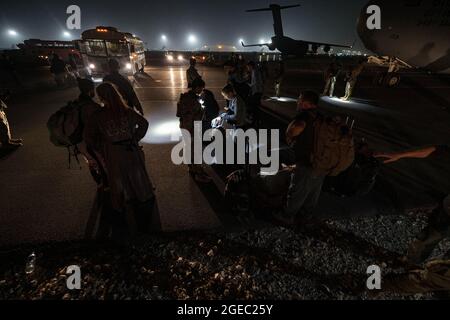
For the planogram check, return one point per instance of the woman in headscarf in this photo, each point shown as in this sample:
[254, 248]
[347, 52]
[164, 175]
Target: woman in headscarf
[114, 134]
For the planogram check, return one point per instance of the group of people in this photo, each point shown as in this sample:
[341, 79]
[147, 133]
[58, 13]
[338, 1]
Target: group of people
[306, 187]
[351, 77]
[64, 71]
[110, 146]
[112, 131]
[243, 93]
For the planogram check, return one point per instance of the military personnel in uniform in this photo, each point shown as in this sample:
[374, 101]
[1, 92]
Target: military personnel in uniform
[5, 132]
[352, 79]
[330, 79]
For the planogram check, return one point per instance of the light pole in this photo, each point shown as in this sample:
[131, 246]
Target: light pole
[192, 39]
[13, 34]
[67, 34]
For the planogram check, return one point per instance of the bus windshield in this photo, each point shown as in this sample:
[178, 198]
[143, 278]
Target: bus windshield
[117, 48]
[96, 48]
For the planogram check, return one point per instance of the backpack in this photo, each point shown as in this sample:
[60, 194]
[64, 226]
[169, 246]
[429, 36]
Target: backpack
[334, 148]
[65, 126]
[358, 180]
[66, 129]
[181, 105]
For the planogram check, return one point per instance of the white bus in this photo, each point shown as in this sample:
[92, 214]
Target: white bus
[99, 45]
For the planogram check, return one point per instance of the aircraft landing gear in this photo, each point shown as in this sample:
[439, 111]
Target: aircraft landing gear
[390, 80]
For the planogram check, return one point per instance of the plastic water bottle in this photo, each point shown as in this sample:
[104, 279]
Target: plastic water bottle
[31, 264]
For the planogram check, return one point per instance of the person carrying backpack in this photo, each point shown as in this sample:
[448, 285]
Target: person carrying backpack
[323, 147]
[67, 125]
[88, 107]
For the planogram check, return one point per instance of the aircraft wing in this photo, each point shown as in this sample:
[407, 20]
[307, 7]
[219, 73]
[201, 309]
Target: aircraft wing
[270, 9]
[320, 44]
[255, 45]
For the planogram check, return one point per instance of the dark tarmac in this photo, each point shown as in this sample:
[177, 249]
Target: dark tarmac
[42, 201]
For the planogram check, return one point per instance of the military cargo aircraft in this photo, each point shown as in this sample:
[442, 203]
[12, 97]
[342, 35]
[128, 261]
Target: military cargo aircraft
[288, 46]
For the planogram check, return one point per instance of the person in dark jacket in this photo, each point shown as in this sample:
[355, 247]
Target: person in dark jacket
[192, 73]
[88, 108]
[211, 108]
[306, 185]
[124, 86]
[58, 68]
[190, 111]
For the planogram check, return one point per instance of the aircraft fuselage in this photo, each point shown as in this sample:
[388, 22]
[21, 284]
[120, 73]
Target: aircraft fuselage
[415, 31]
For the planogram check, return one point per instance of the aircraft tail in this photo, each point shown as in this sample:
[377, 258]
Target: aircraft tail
[277, 20]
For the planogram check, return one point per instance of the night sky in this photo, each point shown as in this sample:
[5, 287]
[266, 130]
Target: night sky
[212, 21]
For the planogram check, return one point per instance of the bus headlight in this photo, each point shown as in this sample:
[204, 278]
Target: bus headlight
[92, 66]
[180, 58]
[128, 66]
[170, 58]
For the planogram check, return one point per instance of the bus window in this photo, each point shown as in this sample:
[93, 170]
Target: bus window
[117, 49]
[82, 46]
[139, 48]
[96, 48]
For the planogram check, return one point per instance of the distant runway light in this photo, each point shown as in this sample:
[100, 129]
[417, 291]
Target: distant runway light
[192, 39]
